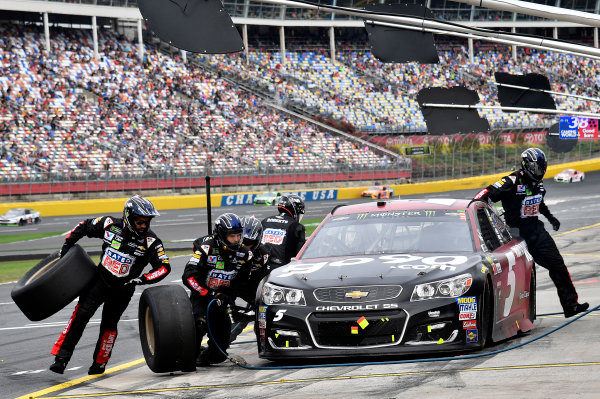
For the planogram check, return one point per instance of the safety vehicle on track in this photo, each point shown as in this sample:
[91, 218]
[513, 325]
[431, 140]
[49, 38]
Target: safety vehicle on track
[398, 277]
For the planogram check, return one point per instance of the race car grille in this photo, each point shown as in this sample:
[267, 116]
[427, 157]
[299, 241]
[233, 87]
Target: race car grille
[358, 329]
[357, 294]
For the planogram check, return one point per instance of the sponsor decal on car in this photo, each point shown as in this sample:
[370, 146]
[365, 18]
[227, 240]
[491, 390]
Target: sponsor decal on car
[442, 262]
[345, 308]
[469, 324]
[108, 235]
[108, 222]
[472, 335]
[467, 316]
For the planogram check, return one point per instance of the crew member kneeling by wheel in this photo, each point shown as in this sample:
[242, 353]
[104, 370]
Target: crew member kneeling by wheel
[218, 269]
[128, 246]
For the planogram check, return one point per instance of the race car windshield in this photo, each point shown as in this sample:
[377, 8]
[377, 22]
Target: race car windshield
[13, 212]
[402, 232]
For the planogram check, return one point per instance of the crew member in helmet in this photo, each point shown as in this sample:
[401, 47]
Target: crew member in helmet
[522, 195]
[283, 234]
[251, 237]
[128, 246]
[219, 270]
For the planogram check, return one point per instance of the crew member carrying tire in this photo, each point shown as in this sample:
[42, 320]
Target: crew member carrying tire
[218, 269]
[522, 195]
[284, 235]
[128, 246]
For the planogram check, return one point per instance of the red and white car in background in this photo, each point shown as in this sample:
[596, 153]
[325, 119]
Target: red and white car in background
[569, 176]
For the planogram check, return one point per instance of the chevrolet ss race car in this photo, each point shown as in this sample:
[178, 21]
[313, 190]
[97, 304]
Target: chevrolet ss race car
[398, 277]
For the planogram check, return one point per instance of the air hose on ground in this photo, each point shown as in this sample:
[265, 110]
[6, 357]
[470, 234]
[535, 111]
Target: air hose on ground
[242, 363]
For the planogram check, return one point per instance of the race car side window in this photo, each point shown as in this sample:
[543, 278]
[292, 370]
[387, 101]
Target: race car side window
[488, 232]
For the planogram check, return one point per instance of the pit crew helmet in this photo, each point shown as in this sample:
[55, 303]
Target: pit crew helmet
[138, 206]
[226, 224]
[534, 163]
[292, 204]
[253, 232]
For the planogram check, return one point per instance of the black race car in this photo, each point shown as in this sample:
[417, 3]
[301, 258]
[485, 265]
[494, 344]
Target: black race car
[398, 277]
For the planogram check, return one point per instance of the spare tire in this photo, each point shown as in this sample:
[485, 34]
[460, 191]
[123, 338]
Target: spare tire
[53, 283]
[167, 329]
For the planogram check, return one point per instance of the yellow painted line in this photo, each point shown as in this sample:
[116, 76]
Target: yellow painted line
[578, 229]
[77, 381]
[69, 384]
[319, 379]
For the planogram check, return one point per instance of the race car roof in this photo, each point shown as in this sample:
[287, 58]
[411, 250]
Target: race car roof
[402, 204]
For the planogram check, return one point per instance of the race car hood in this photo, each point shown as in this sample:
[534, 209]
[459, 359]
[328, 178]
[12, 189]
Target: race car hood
[373, 269]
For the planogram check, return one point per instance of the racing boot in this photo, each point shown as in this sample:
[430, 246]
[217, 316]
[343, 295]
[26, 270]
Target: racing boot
[203, 359]
[96, 368]
[59, 365]
[575, 308]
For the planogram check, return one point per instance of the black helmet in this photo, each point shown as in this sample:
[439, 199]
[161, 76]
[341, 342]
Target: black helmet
[534, 163]
[138, 206]
[292, 204]
[226, 224]
[253, 231]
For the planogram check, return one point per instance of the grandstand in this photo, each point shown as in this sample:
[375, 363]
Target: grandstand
[78, 104]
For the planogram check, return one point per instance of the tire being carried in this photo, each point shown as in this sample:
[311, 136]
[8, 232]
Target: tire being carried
[167, 329]
[53, 283]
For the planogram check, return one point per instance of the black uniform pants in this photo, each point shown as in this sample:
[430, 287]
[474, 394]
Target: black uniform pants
[217, 320]
[545, 253]
[115, 301]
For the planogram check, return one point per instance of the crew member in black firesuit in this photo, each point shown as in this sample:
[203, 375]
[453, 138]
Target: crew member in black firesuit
[283, 234]
[128, 246]
[522, 195]
[251, 237]
[218, 270]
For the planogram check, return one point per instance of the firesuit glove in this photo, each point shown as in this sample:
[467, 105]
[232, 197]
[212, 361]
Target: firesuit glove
[134, 282]
[554, 222]
[223, 299]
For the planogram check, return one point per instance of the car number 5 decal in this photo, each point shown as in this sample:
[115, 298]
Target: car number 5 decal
[279, 315]
[510, 282]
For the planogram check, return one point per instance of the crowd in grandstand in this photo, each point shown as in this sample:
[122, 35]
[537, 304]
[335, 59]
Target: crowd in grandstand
[68, 114]
[71, 114]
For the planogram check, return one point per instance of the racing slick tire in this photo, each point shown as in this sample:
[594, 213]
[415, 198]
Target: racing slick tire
[485, 314]
[53, 283]
[167, 329]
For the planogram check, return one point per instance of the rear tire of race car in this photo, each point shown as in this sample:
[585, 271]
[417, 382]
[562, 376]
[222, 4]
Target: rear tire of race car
[167, 329]
[532, 296]
[22, 222]
[37, 220]
[485, 315]
[53, 283]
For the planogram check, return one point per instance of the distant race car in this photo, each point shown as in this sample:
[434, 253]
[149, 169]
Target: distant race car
[569, 176]
[402, 277]
[378, 192]
[20, 216]
[267, 198]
